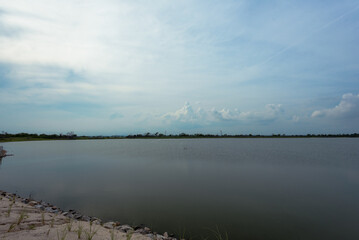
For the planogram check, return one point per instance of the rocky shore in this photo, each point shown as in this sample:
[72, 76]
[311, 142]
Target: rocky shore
[22, 218]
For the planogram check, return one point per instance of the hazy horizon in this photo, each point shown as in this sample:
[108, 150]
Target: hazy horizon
[126, 67]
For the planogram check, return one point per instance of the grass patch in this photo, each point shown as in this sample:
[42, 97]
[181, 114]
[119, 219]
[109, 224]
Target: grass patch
[21, 218]
[218, 235]
[112, 234]
[62, 235]
[52, 222]
[8, 211]
[129, 235]
[12, 226]
[181, 233]
[43, 218]
[79, 231]
[69, 226]
[91, 233]
[32, 226]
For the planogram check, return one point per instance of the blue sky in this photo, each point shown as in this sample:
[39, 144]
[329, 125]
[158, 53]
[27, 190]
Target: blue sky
[119, 67]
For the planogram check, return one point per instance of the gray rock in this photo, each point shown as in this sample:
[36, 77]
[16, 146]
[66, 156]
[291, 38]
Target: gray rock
[141, 231]
[124, 228]
[109, 225]
[119, 228]
[150, 235]
[97, 222]
[86, 218]
[33, 203]
[139, 226]
[39, 206]
[51, 210]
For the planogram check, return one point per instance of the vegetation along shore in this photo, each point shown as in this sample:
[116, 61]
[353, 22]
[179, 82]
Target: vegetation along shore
[10, 137]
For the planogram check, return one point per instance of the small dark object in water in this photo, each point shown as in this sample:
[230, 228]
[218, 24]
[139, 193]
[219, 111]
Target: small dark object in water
[3, 152]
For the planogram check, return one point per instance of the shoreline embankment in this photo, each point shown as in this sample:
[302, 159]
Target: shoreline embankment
[27, 219]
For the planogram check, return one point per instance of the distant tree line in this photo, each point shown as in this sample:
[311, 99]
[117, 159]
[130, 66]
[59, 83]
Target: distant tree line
[4, 136]
[34, 136]
[200, 135]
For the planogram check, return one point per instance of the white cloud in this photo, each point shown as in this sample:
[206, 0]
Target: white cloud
[348, 107]
[187, 114]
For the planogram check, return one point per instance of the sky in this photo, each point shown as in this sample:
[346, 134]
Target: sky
[118, 67]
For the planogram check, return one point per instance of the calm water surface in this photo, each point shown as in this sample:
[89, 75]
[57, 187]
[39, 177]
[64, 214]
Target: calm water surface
[250, 188]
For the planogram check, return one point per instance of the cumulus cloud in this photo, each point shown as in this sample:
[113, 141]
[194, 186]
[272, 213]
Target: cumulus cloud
[348, 107]
[187, 114]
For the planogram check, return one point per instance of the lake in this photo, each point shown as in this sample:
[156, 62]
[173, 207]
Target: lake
[275, 188]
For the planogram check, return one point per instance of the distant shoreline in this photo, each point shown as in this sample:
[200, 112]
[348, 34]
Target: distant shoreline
[21, 137]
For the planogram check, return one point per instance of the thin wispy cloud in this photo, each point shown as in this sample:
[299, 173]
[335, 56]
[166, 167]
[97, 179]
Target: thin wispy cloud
[315, 31]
